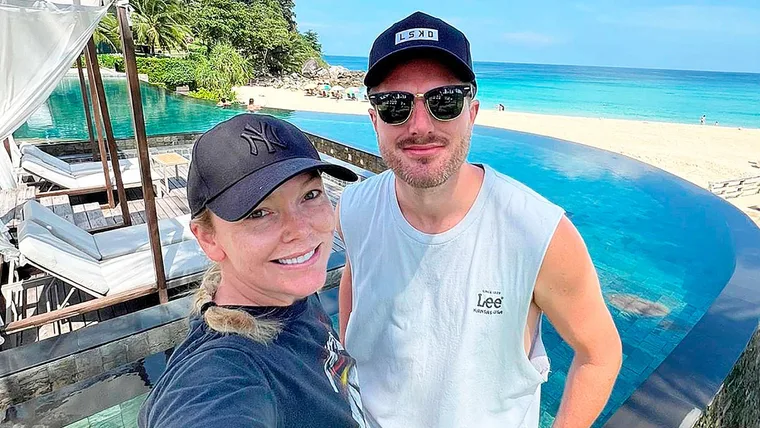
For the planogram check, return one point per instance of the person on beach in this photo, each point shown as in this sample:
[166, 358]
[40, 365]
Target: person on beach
[261, 351]
[450, 265]
[702, 120]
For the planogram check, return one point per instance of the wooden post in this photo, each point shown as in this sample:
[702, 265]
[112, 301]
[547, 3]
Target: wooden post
[99, 129]
[86, 105]
[93, 60]
[138, 119]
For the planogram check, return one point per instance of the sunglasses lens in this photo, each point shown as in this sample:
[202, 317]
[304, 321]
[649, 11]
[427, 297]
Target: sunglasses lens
[446, 103]
[393, 107]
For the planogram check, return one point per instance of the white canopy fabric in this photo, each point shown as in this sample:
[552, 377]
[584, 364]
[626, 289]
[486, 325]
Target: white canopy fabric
[39, 40]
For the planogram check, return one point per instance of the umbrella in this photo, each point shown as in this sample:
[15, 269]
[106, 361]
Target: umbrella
[352, 90]
[326, 87]
[310, 86]
[338, 88]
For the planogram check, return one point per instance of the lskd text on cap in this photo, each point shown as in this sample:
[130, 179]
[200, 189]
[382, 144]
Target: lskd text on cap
[417, 34]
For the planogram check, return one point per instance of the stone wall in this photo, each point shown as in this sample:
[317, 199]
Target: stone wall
[362, 159]
[182, 143]
[30, 383]
[737, 404]
[69, 149]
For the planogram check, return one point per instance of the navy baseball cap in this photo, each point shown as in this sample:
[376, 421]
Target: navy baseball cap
[419, 33]
[239, 162]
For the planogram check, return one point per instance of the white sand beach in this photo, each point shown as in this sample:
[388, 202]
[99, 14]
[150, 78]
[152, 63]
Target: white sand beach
[698, 153]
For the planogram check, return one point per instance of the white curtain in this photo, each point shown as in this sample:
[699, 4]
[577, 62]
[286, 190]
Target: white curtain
[39, 40]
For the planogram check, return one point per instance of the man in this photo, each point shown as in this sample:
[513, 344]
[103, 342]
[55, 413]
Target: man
[451, 264]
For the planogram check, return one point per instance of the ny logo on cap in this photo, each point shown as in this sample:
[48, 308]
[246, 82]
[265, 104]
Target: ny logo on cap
[253, 135]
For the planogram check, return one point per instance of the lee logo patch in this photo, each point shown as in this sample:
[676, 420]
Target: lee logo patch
[416, 34]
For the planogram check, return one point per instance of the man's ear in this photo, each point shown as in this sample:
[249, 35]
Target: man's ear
[207, 241]
[474, 109]
[373, 117]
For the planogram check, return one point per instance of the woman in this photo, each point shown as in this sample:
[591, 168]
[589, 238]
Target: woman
[261, 351]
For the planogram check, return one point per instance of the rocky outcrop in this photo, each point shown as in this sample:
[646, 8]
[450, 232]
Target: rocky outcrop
[313, 73]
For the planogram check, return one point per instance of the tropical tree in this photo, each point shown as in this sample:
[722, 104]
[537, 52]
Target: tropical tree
[159, 23]
[108, 32]
[312, 39]
[223, 69]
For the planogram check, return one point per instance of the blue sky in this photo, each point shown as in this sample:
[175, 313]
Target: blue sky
[695, 35]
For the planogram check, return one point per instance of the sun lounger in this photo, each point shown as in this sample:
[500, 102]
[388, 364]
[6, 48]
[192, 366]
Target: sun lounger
[83, 175]
[111, 262]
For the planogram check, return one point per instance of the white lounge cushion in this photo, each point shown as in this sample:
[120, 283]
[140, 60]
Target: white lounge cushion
[74, 176]
[128, 177]
[87, 168]
[61, 229]
[136, 269]
[60, 258]
[58, 247]
[29, 150]
[118, 242]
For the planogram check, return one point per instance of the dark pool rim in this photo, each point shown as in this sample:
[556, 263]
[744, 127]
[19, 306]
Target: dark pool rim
[683, 385]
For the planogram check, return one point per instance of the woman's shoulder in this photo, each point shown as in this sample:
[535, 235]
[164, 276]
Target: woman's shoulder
[220, 377]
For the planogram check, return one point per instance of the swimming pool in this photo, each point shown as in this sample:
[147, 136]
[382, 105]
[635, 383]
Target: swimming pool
[654, 238]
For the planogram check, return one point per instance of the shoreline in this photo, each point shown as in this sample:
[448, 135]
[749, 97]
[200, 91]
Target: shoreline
[699, 154]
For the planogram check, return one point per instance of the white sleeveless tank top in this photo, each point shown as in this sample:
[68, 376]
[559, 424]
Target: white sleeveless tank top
[438, 321]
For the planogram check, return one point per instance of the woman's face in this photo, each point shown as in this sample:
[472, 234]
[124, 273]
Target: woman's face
[279, 253]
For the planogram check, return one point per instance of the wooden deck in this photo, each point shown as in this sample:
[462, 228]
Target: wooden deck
[89, 212]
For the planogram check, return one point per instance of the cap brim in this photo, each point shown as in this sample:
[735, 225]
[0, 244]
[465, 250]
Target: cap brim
[238, 200]
[383, 66]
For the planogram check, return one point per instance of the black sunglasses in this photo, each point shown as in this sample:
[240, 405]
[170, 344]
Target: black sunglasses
[444, 103]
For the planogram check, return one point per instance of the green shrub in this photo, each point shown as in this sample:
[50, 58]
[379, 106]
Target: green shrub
[168, 72]
[112, 61]
[212, 95]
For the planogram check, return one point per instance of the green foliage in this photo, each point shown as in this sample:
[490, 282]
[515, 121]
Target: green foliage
[223, 69]
[263, 31]
[312, 39]
[168, 72]
[159, 23]
[108, 32]
[210, 95]
[112, 61]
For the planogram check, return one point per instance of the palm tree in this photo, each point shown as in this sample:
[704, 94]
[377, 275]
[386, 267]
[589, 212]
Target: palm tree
[108, 32]
[158, 23]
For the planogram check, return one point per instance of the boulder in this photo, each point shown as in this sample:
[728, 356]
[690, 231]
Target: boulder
[337, 71]
[310, 67]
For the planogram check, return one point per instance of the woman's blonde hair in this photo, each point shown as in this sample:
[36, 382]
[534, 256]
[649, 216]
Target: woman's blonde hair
[227, 320]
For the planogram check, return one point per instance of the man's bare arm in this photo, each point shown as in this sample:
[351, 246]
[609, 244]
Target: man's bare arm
[345, 296]
[568, 291]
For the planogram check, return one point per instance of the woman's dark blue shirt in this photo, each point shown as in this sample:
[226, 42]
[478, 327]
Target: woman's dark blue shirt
[303, 378]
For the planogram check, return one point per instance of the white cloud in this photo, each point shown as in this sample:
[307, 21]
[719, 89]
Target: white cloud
[530, 38]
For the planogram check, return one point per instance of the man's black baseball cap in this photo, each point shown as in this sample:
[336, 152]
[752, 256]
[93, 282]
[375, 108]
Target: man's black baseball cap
[239, 162]
[419, 34]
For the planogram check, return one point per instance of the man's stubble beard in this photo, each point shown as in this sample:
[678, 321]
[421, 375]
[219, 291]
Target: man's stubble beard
[415, 173]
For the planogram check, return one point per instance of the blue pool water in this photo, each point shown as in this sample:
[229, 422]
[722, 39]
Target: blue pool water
[626, 93]
[651, 235]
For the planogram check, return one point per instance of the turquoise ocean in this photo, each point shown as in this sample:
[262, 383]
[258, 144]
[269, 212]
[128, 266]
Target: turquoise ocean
[731, 99]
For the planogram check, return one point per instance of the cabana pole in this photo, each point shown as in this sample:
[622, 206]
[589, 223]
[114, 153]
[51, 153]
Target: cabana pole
[92, 59]
[99, 129]
[135, 99]
[86, 106]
